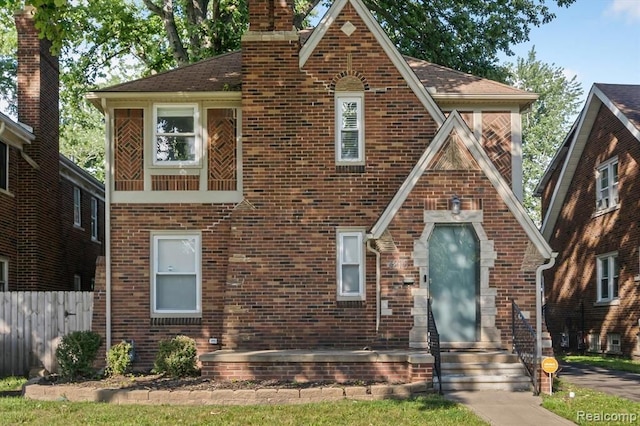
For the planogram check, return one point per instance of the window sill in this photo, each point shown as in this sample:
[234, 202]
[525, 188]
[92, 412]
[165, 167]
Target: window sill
[78, 227]
[605, 211]
[7, 192]
[94, 240]
[614, 302]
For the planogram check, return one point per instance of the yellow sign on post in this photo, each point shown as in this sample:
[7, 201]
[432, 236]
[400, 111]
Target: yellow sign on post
[550, 366]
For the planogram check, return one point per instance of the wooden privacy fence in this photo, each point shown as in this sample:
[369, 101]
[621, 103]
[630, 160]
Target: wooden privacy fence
[32, 324]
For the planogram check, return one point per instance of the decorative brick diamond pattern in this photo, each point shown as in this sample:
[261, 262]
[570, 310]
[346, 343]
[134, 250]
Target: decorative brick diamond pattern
[129, 144]
[175, 183]
[221, 127]
[453, 156]
[496, 137]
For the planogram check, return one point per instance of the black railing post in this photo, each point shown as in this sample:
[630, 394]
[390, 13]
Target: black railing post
[433, 338]
[525, 343]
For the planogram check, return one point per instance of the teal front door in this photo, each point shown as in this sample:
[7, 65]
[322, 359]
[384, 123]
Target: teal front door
[454, 281]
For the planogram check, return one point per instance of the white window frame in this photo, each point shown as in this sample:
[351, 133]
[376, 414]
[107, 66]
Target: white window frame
[77, 206]
[195, 134]
[611, 347]
[594, 342]
[612, 277]
[607, 196]
[155, 238]
[340, 262]
[4, 168]
[4, 274]
[77, 283]
[358, 98]
[94, 219]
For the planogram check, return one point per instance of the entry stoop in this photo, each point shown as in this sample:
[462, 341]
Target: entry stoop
[495, 370]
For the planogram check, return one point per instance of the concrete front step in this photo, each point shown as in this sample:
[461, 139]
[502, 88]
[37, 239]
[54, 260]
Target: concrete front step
[483, 370]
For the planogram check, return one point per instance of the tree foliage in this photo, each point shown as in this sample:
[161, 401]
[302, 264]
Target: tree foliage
[106, 41]
[546, 124]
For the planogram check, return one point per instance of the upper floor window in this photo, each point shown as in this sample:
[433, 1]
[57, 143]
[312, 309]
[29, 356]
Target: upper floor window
[4, 166]
[77, 282]
[608, 271]
[175, 135]
[4, 274]
[607, 184]
[351, 266]
[349, 128]
[94, 219]
[77, 206]
[176, 282]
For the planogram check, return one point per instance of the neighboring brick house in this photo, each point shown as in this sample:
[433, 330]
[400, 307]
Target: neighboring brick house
[591, 210]
[51, 211]
[292, 195]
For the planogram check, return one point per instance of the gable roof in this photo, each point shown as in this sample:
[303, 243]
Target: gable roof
[223, 73]
[466, 136]
[623, 100]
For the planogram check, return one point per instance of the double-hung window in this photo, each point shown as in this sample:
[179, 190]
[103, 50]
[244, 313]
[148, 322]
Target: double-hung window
[349, 128]
[613, 343]
[607, 184]
[94, 219]
[176, 280]
[4, 166]
[77, 206]
[4, 274]
[608, 271]
[350, 265]
[175, 135]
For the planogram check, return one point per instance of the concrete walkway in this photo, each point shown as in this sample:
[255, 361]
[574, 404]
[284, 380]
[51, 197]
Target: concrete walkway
[505, 408]
[620, 383]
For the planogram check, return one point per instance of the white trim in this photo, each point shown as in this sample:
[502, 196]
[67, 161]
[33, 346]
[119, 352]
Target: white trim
[342, 233]
[612, 185]
[5, 167]
[176, 197]
[95, 218]
[157, 236]
[195, 133]
[4, 274]
[396, 58]
[516, 155]
[77, 206]
[340, 99]
[455, 121]
[613, 271]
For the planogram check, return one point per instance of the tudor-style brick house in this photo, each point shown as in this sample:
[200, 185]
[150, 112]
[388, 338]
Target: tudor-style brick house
[591, 204]
[51, 210]
[297, 194]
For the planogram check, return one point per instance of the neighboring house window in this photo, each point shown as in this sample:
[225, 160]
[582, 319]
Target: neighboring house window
[176, 282]
[175, 135]
[349, 128]
[4, 274]
[77, 209]
[4, 166]
[608, 277]
[94, 219]
[613, 342]
[350, 266]
[594, 342]
[607, 184]
[77, 282]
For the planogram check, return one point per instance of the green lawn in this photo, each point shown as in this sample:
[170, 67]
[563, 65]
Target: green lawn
[432, 409]
[589, 407]
[610, 362]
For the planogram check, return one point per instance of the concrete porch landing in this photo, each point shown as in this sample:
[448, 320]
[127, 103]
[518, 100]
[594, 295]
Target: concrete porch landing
[305, 365]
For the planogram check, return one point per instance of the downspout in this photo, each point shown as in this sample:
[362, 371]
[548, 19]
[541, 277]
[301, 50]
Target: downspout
[377, 253]
[107, 223]
[539, 287]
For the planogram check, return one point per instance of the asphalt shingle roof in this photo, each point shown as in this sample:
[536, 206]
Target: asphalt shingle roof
[626, 97]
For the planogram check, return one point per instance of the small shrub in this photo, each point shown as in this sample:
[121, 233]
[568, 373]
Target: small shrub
[76, 353]
[176, 357]
[119, 358]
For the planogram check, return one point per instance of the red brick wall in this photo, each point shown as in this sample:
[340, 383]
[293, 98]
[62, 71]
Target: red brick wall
[271, 15]
[496, 139]
[579, 238]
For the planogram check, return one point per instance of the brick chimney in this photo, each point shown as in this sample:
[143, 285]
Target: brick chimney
[270, 15]
[37, 197]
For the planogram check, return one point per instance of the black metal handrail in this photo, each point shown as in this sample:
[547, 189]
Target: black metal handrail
[434, 345]
[525, 343]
